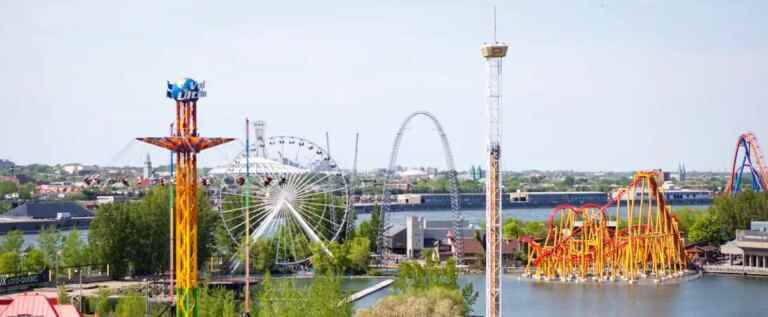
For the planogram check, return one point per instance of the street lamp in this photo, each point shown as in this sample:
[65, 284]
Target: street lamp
[79, 272]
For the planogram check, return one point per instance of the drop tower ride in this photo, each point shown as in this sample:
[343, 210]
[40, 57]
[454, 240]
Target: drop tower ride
[493, 53]
[185, 142]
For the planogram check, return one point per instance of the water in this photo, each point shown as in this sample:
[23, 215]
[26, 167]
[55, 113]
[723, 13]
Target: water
[710, 295]
[31, 239]
[476, 217]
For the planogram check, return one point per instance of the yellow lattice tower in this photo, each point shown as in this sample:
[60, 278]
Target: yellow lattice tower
[186, 143]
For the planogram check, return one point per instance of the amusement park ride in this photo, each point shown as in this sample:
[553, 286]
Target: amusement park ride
[494, 54]
[752, 158]
[185, 142]
[638, 239]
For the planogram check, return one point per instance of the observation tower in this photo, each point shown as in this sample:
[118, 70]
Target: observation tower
[185, 142]
[493, 53]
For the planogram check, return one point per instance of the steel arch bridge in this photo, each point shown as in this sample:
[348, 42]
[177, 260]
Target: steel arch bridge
[752, 158]
[383, 244]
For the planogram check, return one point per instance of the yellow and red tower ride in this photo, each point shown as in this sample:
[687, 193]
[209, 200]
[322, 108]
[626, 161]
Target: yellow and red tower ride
[186, 143]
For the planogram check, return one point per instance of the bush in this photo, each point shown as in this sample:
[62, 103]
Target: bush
[131, 305]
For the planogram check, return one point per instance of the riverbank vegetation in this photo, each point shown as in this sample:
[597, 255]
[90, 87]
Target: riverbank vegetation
[427, 288]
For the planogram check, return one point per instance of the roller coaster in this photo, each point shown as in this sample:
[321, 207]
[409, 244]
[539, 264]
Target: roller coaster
[633, 237]
[751, 158]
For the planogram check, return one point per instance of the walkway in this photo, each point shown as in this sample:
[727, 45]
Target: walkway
[368, 291]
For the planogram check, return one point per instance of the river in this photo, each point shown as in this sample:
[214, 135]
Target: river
[477, 216]
[710, 295]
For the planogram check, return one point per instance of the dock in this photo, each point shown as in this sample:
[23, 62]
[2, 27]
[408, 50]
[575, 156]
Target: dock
[370, 290]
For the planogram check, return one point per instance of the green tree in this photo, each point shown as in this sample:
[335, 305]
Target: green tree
[535, 229]
[263, 255]
[72, 249]
[358, 254]
[334, 263]
[705, 229]
[33, 261]
[10, 262]
[7, 188]
[101, 304]
[217, 302]
[511, 228]
[135, 235]
[13, 241]
[49, 242]
[370, 228]
[131, 305]
[63, 296]
[323, 298]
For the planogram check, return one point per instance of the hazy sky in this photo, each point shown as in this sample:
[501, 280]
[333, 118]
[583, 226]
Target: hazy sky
[588, 85]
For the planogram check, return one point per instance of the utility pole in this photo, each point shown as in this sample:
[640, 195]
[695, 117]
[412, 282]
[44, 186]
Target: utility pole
[247, 197]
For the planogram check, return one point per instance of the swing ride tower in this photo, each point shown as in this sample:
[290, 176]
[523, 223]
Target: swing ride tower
[185, 142]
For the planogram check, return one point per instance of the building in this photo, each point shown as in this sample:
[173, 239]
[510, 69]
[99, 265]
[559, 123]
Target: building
[417, 234]
[148, 168]
[750, 249]
[550, 199]
[33, 216]
[35, 305]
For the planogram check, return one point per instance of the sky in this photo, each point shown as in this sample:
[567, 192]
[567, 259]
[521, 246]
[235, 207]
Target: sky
[588, 85]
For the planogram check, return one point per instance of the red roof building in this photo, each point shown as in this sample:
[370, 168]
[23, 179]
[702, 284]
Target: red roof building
[35, 305]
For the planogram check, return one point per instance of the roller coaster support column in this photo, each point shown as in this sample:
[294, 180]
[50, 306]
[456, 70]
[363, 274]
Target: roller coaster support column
[186, 143]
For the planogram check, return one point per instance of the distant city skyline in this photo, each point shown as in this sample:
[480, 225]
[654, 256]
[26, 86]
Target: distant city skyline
[588, 86]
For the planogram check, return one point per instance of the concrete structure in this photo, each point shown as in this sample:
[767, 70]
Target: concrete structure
[414, 236]
[148, 168]
[748, 254]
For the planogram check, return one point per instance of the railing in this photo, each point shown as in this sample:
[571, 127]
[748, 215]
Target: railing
[735, 269]
[751, 235]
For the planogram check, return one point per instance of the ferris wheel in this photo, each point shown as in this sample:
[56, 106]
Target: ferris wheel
[296, 196]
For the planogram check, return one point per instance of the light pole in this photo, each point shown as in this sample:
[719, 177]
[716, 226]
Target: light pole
[80, 274]
[146, 287]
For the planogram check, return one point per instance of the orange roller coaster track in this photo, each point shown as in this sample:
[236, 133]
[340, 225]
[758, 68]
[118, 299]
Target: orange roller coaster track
[638, 239]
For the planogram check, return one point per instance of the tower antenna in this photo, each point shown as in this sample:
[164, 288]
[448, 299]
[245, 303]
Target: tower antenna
[494, 24]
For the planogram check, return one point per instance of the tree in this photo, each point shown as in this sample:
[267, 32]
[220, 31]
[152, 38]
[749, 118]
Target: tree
[101, 304]
[131, 305]
[72, 249]
[263, 255]
[49, 242]
[705, 229]
[535, 229]
[13, 241]
[325, 263]
[511, 228]
[370, 228]
[7, 188]
[324, 298]
[359, 254]
[135, 234]
[33, 261]
[63, 297]
[217, 302]
[10, 262]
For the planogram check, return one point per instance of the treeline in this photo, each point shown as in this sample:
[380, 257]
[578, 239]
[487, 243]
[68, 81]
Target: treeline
[727, 214]
[133, 237]
[53, 250]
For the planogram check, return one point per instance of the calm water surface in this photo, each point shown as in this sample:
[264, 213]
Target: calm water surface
[709, 295]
